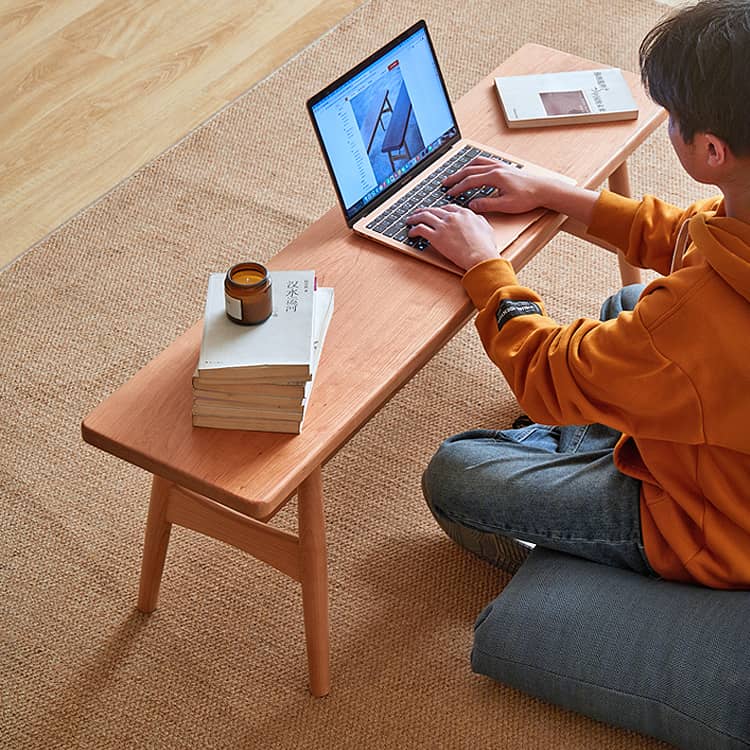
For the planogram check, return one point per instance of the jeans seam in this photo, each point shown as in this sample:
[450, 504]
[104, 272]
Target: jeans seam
[552, 536]
[580, 436]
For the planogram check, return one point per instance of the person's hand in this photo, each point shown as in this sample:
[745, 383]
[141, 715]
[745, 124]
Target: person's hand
[461, 235]
[516, 191]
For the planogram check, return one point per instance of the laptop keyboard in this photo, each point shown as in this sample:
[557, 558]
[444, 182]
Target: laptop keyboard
[430, 192]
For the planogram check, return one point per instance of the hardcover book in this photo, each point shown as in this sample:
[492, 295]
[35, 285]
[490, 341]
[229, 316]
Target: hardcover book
[282, 346]
[567, 98]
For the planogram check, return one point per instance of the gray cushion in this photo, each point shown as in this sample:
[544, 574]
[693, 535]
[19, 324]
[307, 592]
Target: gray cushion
[664, 659]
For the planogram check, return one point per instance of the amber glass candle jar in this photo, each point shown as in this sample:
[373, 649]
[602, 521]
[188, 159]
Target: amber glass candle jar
[247, 294]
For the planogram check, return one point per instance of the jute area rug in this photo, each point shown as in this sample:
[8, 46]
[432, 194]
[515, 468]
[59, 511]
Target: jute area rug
[221, 664]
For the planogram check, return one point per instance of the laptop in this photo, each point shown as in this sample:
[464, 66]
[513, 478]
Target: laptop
[389, 136]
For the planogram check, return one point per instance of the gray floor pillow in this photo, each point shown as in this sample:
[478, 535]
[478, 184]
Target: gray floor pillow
[665, 659]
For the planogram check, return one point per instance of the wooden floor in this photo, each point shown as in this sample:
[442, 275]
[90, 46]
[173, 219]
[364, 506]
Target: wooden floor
[92, 89]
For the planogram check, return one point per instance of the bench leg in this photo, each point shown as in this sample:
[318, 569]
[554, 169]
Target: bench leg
[314, 579]
[304, 558]
[619, 182]
[155, 545]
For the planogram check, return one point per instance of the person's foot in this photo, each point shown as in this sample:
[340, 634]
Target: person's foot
[504, 552]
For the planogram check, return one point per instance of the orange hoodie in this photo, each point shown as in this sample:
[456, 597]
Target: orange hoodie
[673, 376]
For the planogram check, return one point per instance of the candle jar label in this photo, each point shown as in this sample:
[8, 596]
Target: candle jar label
[233, 307]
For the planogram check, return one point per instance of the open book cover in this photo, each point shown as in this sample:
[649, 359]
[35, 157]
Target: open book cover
[282, 346]
[566, 98]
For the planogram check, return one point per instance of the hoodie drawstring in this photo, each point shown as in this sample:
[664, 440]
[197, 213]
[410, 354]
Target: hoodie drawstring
[680, 246]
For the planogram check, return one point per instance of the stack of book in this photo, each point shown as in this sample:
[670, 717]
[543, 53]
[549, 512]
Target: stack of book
[260, 377]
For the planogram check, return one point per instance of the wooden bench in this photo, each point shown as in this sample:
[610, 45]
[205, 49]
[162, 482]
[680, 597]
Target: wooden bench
[394, 140]
[229, 484]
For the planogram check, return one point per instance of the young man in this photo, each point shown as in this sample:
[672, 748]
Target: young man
[650, 466]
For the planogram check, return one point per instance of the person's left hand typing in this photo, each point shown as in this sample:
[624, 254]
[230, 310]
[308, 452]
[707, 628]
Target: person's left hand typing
[462, 236]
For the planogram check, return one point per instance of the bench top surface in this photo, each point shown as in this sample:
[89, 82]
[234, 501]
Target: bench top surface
[391, 314]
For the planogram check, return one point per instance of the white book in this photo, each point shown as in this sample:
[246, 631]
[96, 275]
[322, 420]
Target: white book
[237, 415]
[234, 410]
[251, 424]
[253, 388]
[323, 315]
[282, 346]
[566, 98]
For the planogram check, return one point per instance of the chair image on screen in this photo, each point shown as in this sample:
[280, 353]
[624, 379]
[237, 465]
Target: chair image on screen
[375, 120]
[394, 141]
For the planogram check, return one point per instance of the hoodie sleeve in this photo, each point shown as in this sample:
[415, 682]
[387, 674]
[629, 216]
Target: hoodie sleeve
[588, 371]
[644, 230]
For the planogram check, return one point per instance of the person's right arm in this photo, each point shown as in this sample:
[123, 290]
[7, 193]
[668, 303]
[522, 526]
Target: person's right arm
[518, 191]
[644, 230]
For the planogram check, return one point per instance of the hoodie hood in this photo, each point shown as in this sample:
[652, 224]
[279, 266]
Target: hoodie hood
[725, 243]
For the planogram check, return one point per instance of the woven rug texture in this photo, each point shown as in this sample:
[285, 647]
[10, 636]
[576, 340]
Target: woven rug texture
[221, 663]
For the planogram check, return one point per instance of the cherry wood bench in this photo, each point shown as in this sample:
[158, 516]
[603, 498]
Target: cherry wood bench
[229, 484]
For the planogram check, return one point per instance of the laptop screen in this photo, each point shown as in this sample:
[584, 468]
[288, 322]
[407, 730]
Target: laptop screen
[384, 120]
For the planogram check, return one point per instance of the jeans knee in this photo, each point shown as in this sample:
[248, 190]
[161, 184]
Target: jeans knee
[445, 481]
[440, 474]
[431, 478]
[625, 299]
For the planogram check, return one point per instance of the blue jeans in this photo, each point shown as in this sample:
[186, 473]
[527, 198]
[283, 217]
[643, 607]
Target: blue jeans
[553, 486]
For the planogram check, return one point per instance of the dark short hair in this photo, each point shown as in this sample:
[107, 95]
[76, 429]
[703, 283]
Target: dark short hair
[696, 64]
